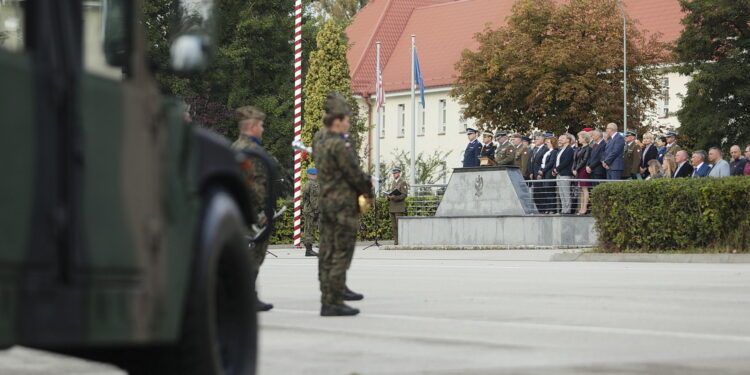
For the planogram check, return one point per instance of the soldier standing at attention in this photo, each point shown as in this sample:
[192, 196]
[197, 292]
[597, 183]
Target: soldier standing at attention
[672, 146]
[505, 151]
[397, 203]
[632, 157]
[473, 149]
[488, 148]
[522, 154]
[341, 183]
[251, 132]
[311, 209]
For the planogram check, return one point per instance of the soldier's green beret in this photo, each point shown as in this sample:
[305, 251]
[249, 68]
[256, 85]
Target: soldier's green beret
[336, 105]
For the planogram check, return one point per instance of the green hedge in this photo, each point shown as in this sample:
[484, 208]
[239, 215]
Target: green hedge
[284, 227]
[673, 214]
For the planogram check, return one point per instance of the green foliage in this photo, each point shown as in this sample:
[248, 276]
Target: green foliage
[341, 11]
[252, 64]
[558, 64]
[713, 47]
[430, 169]
[328, 72]
[673, 214]
[378, 216]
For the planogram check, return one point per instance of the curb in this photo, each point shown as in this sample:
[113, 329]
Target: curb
[482, 247]
[651, 258]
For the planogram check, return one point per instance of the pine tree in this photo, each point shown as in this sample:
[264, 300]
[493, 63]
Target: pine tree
[714, 48]
[329, 72]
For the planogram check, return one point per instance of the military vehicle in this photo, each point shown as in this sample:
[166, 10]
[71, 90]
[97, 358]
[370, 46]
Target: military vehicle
[122, 226]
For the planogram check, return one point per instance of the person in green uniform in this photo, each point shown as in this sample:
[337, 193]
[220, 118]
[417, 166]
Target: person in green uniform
[342, 183]
[521, 153]
[505, 150]
[397, 203]
[311, 209]
[251, 128]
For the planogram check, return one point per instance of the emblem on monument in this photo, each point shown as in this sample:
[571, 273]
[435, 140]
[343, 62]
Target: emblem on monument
[478, 185]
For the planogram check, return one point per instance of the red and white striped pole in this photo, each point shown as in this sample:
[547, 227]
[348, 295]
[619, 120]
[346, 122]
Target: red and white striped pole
[297, 120]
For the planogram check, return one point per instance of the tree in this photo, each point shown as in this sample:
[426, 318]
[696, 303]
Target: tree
[714, 48]
[329, 72]
[557, 66]
[341, 11]
[430, 168]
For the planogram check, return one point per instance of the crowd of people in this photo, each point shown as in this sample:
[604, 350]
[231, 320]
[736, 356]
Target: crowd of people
[549, 163]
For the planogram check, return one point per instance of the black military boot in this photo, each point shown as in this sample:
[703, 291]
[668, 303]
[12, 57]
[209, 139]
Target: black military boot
[351, 295]
[262, 306]
[309, 251]
[338, 310]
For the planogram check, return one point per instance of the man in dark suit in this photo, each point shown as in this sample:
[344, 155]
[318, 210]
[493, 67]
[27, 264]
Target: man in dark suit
[594, 166]
[473, 149]
[684, 169]
[563, 171]
[613, 160]
[649, 153]
[535, 166]
[700, 167]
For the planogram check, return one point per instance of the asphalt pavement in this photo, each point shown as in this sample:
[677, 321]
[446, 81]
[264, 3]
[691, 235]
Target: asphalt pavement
[507, 312]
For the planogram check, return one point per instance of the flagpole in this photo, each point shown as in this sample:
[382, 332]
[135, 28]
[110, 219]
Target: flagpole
[412, 168]
[378, 74]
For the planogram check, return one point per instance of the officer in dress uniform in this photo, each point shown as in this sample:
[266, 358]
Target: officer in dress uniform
[505, 151]
[473, 149]
[521, 153]
[488, 149]
[632, 157]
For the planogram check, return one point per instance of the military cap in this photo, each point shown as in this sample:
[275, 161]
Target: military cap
[671, 134]
[498, 135]
[312, 171]
[396, 170]
[517, 135]
[487, 134]
[336, 105]
[250, 113]
[630, 134]
[526, 139]
[471, 131]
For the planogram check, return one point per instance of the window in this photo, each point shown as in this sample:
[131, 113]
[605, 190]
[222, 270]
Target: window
[442, 116]
[401, 120]
[664, 107]
[12, 24]
[93, 41]
[462, 127]
[421, 120]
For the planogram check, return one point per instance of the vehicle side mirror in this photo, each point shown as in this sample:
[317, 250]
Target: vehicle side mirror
[117, 32]
[192, 48]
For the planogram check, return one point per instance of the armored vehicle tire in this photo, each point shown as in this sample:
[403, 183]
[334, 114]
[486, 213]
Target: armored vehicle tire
[219, 330]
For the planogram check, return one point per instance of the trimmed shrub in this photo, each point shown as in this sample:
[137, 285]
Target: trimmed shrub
[673, 214]
[284, 227]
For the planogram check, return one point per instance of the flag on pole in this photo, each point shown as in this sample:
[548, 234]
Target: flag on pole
[379, 91]
[418, 76]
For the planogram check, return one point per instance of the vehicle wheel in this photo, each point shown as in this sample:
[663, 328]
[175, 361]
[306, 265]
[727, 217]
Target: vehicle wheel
[219, 330]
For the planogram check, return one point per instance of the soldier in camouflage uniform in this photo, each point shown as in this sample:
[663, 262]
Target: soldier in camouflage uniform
[311, 209]
[505, 151]
[251, 121]
[341, 183]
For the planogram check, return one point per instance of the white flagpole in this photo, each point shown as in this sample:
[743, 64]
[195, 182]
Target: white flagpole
[412, 168]
[379, 74]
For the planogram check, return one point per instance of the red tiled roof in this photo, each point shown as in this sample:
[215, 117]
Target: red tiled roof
[383, 21]
[444, 30]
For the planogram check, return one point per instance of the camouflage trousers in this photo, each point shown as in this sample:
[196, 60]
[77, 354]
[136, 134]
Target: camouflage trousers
[311, 225]
[257, 256]
[338, 233]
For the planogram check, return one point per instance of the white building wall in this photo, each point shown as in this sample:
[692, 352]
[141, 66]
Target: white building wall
[454, 138]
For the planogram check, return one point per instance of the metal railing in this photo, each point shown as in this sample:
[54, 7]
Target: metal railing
[426, 199]
[568, 196]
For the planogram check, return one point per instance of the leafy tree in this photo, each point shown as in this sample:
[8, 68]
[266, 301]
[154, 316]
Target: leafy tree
[329, 72]
[430, 168]
[557, 66]
[341, 11]
[714, 48]
[251, 65]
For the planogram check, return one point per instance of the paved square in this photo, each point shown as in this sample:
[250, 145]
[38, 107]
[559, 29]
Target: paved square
[507, 312]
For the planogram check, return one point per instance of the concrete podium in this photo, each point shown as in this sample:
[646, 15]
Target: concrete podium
[493, 206]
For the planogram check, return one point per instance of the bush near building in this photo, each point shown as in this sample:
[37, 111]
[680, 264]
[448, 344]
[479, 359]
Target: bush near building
[284, 226]
[711, 214]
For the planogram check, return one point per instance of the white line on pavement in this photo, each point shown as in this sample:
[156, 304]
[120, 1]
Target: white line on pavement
[543, 326]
